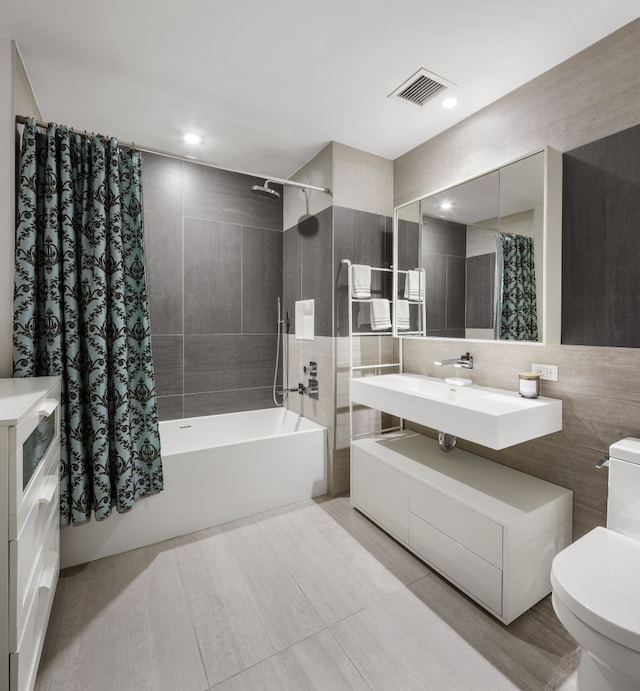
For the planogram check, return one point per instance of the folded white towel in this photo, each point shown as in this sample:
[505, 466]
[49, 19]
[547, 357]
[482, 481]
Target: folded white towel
[402, 315]
[414, 285]
[380, 314]
[361, 280]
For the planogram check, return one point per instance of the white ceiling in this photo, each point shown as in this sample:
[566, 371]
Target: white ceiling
[268, 84]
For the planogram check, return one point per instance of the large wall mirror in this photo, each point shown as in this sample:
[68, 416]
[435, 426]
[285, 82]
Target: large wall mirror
[481, 260]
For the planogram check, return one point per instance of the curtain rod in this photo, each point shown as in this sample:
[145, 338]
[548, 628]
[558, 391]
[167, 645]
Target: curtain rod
[22, 120]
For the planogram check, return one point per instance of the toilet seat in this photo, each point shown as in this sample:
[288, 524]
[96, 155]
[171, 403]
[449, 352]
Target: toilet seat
[598, 579]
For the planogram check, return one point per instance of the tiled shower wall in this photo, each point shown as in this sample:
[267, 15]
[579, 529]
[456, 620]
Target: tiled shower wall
[214, 270]
[313, 250]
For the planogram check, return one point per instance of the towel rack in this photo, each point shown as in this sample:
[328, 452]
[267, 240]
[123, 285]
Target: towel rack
[381, 366]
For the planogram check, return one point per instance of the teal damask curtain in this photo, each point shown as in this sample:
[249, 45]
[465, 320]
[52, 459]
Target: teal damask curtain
[81, 311]
[517, 310]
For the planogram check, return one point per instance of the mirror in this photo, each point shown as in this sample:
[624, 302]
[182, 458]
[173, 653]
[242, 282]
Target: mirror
[471, 261]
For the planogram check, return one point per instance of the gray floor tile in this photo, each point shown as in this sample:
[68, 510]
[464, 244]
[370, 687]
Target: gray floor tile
[336, 573]
[317, 663]
[244, 603]
[245, 606]
[400, 643]
[431, 636]
[122, 624]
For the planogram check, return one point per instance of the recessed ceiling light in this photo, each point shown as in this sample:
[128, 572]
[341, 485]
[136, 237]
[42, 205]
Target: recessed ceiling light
[192, 138]
[449, 102]
[446, 205]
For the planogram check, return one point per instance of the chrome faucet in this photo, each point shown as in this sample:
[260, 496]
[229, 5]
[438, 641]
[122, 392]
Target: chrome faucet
[465, 361]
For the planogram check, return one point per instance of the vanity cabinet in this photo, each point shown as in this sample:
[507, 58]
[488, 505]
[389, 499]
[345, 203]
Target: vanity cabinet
[29, 462]
[489, 529]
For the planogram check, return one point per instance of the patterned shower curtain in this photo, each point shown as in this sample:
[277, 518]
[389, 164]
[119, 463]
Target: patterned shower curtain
[81, 312]
[517, 310]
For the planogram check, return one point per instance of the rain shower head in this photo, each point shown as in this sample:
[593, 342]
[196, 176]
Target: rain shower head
[265, 191]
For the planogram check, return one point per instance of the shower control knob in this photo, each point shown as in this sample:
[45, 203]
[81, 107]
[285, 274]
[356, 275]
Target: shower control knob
[311, 369]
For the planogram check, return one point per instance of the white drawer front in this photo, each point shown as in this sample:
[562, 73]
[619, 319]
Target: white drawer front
[381, 492]
[33, 442]
[23, 663]
[42, 490]
[30, 557]
[474, 531]
[472, 574]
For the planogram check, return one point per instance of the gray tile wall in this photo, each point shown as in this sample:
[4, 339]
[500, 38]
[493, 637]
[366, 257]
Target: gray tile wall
[313, 250]
[444, 248]
[481, 271]
[306, 271]
[214, 271]
[363, 238]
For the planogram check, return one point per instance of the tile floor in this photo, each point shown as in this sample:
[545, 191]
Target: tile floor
[311, 596]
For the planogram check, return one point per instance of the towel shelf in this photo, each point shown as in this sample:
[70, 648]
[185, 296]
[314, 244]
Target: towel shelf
[362, 368]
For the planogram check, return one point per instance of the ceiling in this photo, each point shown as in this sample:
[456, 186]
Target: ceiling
[269, 84]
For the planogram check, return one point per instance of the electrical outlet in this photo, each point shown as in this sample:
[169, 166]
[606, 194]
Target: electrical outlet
[547, 372]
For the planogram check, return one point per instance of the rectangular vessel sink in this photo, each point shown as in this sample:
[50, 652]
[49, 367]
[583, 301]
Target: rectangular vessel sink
[492, 417]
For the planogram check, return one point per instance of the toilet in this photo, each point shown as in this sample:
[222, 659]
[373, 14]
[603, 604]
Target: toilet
[596, 583]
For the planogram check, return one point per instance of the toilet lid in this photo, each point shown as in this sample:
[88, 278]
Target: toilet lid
[598, 579]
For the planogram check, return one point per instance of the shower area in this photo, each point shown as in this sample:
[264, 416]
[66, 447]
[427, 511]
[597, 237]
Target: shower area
[214, 266]
[224, 249]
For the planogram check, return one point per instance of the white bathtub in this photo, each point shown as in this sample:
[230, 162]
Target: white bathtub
[216, 469]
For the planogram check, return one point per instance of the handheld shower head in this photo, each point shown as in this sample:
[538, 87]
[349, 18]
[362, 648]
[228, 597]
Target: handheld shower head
[266, 191]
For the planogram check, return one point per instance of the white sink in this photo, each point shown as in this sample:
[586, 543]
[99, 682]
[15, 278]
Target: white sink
[492, 417]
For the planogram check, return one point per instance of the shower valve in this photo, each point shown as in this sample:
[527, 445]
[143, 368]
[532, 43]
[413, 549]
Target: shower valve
[313, 389]
[311, 369]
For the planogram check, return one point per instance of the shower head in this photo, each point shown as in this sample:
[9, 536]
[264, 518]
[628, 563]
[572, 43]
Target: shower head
[266, 191]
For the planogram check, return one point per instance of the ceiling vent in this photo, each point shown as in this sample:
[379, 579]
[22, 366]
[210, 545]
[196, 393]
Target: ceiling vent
[421, 87]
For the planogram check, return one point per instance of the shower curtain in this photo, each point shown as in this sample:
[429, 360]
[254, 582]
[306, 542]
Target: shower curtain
[517, 310]
[81, 312]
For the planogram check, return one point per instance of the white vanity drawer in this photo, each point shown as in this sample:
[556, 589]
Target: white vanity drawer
[36, 444]
[471, 529]
[381, 492]
[30, 561]
[23, 663]
[39, 492]
[474, 575]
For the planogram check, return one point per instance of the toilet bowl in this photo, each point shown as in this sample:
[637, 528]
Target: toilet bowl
[596, 595]
[596, 583]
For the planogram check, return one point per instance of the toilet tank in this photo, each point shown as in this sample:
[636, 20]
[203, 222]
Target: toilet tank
[623, 505]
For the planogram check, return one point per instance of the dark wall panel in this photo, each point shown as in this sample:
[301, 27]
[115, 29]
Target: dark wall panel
[408, 245]
[481, 273]
[214, 269]
[363, 238]
[212, 277]
[164, 268]
[601, 242]
[221, 195]
[306, 271]
[261, 279]
[456, 292]
[443, 259]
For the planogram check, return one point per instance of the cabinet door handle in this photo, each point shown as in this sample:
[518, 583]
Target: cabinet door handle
[48, 406]
[48, 490]
[50, 572]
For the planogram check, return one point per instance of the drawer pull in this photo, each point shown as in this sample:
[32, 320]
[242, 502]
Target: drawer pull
[50, 572]
[48, 490]
[48, 406]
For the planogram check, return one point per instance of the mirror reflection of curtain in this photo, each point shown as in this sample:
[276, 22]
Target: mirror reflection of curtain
[517, 309]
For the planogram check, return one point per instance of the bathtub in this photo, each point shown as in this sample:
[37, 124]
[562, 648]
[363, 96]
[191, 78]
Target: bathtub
[216, 469]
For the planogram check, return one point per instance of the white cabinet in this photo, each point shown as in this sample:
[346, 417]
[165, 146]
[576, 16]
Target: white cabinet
[29, 517]
[491, 530]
